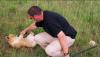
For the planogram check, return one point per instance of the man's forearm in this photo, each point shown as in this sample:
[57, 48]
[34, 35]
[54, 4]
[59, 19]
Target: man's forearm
[26, 29]
[64, 46]
[29, 28]
[63, 42]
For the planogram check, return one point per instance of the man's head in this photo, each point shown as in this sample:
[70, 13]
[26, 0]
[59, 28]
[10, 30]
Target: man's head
[35, 13]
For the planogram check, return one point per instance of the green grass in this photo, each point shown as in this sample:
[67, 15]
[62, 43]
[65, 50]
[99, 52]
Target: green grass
[82, 15]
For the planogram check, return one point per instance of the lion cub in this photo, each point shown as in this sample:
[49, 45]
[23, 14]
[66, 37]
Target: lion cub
[18, 42]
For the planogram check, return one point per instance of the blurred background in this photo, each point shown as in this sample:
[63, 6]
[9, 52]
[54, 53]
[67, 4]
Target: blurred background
[83, 15]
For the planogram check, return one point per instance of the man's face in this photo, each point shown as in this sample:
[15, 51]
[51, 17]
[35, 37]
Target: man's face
[37, 17]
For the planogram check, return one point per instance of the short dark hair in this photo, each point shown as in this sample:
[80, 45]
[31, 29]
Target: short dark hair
[34, 10]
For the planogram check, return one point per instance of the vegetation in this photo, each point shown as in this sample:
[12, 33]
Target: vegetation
[82, 15]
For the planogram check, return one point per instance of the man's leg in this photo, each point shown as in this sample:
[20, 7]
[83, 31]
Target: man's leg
[43, 39]
[54, 49]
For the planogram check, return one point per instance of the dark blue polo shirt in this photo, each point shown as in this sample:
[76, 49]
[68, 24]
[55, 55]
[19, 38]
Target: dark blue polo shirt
[53, 23]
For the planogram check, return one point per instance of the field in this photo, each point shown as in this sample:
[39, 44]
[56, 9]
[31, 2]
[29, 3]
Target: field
[82, 15]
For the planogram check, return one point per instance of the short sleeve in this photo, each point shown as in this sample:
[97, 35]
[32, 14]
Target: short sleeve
[55, 28]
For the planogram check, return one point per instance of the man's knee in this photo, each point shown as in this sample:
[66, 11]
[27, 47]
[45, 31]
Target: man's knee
[54, 49]
[49, 51]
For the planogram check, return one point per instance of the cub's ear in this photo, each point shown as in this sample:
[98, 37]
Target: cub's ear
[6, 38]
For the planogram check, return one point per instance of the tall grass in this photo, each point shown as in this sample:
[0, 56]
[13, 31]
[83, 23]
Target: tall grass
[82, 15]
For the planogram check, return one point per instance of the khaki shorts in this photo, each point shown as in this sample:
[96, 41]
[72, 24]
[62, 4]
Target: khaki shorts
[52, 45]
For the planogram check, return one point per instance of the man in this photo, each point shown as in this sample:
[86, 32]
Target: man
[59, 35]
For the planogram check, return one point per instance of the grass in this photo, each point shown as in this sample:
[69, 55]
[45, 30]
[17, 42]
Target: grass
[82, 15]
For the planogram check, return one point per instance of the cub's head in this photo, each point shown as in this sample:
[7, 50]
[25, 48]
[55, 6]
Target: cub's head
[10, 38]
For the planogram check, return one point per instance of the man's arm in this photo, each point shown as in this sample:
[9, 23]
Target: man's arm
[63, 42]
[29, 28]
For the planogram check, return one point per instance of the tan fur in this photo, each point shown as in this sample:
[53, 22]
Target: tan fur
[23, 42]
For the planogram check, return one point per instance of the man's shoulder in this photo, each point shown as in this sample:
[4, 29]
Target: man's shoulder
[53, 16]
[52, 13]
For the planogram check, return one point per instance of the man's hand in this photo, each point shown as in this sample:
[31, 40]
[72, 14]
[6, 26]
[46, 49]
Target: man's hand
[22, 32]
[29, 28]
